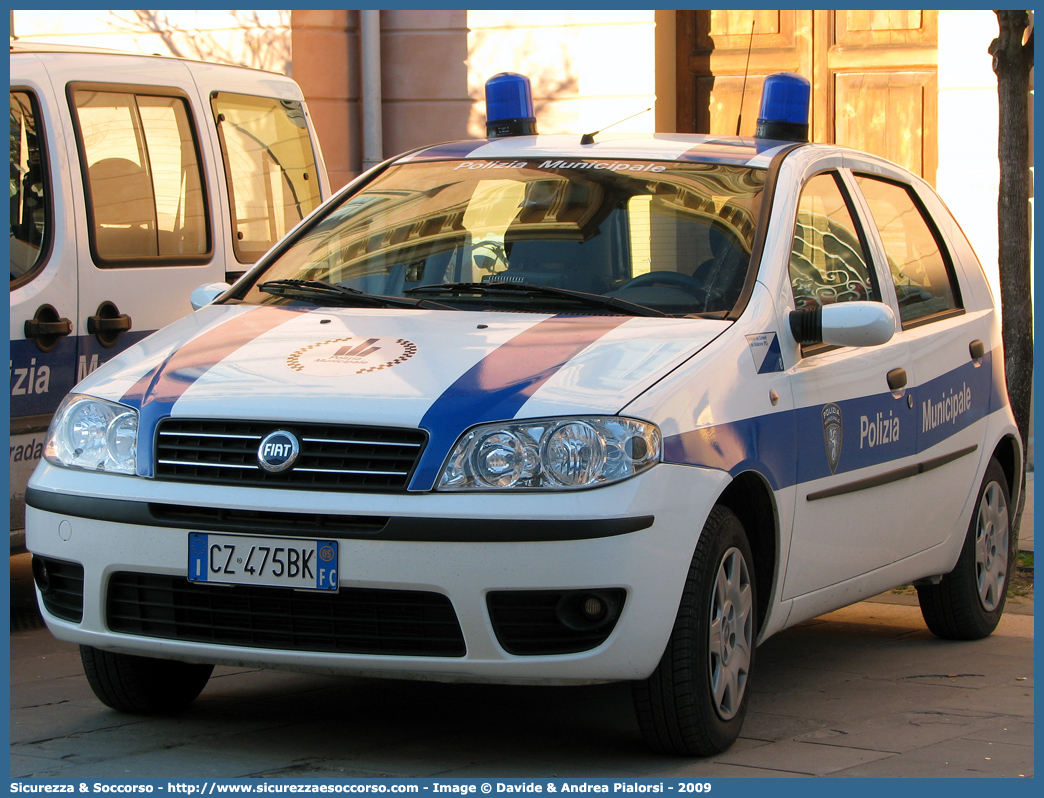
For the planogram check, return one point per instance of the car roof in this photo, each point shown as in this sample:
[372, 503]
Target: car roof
[677, 147]
[562, 150]
[19, 46]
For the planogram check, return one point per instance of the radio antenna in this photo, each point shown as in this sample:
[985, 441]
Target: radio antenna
[743, 89]
[588, 138]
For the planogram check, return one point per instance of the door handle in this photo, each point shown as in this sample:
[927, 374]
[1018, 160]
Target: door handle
[107, 323]
[47, 327]
[977, 350]
[43, 329]
[897, 379]
[99, 324]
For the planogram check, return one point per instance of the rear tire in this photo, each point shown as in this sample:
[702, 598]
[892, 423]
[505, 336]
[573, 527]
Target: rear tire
[968, 602]
[695, 701]
[142, 685]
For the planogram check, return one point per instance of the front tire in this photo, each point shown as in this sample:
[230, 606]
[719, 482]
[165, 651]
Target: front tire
[695, 701]
[967, 603]
[142, 685]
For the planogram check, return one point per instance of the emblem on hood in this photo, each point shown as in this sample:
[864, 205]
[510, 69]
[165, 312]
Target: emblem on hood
[343, 356]
[832, 434]
[278, 451]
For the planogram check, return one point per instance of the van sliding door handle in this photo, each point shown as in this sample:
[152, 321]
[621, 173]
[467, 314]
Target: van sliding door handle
[44, 329]
[47, 327]
[108, 323]
[97, 324]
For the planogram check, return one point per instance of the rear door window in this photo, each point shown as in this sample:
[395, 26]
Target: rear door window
[270, 168]
[143, 177]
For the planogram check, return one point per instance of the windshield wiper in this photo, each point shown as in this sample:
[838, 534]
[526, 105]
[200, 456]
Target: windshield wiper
[317, 290]
[591, 300]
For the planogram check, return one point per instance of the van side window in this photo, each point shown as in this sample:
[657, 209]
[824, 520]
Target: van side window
[919, 265]
[269, 168]
[142, 171]
[30, 190]
[828, 261]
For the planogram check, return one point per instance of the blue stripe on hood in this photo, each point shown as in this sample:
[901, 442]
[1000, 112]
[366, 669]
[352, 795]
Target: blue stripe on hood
[155, 393]
[496, 387]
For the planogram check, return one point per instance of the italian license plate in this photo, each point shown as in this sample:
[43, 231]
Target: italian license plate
[272, 562]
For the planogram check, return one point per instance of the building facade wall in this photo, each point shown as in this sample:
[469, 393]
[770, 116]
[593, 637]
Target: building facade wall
[435, 64]
[424, 77]
[327, 48]
[966, 179]
[589, 69]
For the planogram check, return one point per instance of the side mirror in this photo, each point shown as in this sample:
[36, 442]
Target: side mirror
[206, 294]
[844, 324]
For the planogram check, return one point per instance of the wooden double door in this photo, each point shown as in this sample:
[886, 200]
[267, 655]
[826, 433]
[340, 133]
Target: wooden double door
[873, 74]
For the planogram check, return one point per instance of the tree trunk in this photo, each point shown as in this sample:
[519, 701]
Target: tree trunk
[1012, 62]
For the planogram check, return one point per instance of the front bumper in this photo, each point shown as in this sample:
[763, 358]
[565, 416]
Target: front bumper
[636, 537]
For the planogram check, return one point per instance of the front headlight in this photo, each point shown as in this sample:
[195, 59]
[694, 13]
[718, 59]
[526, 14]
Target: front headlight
[551, 454]
[93, 434]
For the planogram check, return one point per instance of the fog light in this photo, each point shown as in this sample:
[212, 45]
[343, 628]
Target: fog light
[41, 575]
[588, 610]
[594, 608]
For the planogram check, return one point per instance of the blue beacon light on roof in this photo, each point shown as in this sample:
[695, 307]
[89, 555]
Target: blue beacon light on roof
[784, 108]
[509, 106]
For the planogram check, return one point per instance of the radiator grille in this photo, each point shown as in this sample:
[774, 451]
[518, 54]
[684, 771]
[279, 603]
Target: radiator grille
[351, 621]
[332, 457]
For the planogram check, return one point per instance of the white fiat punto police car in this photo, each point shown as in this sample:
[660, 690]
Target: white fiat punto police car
[551, 410]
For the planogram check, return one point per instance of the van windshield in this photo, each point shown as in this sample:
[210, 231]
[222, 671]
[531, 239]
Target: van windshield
[675, 238]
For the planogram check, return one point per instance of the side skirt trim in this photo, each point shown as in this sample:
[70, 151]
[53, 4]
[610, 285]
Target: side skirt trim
[890, 476]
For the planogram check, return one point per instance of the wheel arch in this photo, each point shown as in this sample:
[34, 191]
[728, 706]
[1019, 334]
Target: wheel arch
[750, 498]
[1008, 453]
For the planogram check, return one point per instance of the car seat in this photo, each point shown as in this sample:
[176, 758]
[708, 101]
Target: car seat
[724, 273]
[124, 209]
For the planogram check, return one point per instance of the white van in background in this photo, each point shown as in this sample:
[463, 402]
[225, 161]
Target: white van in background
[134, 180]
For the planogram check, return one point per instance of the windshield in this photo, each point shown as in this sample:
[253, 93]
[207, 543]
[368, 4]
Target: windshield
[674, 238]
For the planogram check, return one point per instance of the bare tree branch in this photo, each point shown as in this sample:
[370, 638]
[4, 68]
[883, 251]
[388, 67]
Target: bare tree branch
[260, 44]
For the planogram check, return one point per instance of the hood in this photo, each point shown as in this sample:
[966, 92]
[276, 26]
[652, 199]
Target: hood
[440, 371]
[392, 367]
